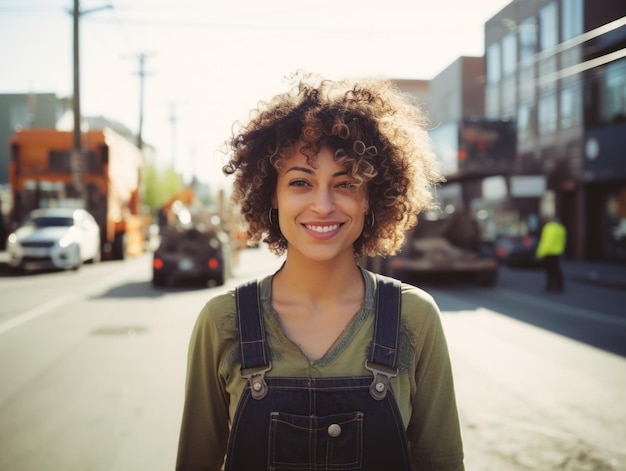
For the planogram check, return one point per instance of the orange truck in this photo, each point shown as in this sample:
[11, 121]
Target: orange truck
[104, 179]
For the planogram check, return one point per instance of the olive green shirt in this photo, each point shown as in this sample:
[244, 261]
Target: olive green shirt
[423, 388]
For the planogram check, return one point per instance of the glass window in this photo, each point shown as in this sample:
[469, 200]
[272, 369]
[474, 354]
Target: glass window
[527, 41]
[525, 130]
[492, 101]
[571, 106]
[548, 32]
[494, 67]
[527, 84]
[509, 54]
[509, 95]
[547, 114]
[571, 19]
[613, 93]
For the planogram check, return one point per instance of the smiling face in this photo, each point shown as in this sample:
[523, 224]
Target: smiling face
[320, 211]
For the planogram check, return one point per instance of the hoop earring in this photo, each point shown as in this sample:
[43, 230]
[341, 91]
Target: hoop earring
[372, 220]
[270, 219]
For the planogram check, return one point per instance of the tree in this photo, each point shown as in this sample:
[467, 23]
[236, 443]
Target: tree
[159, 185]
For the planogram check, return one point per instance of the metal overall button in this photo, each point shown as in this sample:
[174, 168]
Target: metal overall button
[334, 430]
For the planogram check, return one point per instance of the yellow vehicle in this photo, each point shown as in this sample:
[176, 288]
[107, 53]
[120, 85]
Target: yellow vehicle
[104, 180]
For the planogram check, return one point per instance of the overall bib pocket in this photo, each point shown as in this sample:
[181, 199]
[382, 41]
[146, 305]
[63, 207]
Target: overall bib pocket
[333, 442]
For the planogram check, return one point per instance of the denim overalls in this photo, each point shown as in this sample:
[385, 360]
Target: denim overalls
[303, 423]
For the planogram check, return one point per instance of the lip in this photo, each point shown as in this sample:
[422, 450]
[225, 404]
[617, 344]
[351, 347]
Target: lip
[322, 231]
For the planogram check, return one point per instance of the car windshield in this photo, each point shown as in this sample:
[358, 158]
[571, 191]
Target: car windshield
[52, 221]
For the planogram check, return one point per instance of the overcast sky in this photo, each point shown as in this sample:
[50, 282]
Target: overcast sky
[209, 61]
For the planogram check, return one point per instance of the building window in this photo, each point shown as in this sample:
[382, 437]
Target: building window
[509, 96]
[527, 41]
[494, 65]
[509, 54]
[527, 84]
[548, 32]
[605, 95]
[571, 19]
[613, 93]
[525, 124]
[571, 106]
[492, 101]
[547, 114]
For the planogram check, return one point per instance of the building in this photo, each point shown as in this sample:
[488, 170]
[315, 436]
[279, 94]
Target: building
[558, 68]
[418, 90]
[478, 154]
[22, 110]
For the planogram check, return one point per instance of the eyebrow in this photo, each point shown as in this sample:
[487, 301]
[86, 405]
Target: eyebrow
[311, 172]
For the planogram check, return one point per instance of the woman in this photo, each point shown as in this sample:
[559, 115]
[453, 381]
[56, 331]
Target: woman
[324, 365]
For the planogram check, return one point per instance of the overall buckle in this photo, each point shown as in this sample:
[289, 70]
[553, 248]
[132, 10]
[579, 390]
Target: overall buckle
[256, 379]
[380, 384]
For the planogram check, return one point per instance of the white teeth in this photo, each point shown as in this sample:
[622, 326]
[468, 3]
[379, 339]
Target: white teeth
[323, 228]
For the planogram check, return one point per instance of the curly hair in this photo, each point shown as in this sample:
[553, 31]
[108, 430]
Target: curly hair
[372, 128]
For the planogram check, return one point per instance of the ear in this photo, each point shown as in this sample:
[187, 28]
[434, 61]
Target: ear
[274, 202]
[365, 206]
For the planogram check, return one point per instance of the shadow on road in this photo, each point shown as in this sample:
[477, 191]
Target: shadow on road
[145, 289]
[575, 314]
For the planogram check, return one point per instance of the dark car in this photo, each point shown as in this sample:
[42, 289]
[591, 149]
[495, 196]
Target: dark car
[190, 255]
[517, 250]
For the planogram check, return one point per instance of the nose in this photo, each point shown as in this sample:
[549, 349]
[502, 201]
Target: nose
[323, 202]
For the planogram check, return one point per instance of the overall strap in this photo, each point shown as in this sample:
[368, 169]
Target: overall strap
[383, 356]
[253, 349]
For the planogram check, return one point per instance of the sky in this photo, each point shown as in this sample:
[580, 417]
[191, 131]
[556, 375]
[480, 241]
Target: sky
[208, 62]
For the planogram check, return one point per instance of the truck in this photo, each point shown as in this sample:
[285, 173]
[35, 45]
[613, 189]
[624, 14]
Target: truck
[440, 247]
[103, 178]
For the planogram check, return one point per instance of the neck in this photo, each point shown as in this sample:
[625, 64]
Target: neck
[312, 279]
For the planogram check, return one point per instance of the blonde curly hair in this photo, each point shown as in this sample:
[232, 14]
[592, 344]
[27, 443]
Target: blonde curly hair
[372, 128]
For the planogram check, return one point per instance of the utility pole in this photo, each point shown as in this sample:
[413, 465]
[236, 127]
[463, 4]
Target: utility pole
[77, 157]
[173, 119]
[142, 76]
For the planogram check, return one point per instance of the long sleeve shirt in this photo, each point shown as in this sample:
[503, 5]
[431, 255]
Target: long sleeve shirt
[423, 388]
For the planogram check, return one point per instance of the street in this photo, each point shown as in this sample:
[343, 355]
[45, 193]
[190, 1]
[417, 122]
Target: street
[92, 368]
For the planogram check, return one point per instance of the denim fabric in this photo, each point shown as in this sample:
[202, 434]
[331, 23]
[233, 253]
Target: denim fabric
[318, 423]
[292, 428]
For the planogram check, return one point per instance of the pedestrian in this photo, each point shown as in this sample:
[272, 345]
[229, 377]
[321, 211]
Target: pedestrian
[550, 249]
[323, 364]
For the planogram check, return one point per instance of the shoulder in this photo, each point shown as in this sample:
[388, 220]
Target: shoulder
[218, 314]
[221, 311]
[418, 305]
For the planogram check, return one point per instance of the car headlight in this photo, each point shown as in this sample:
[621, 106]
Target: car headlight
[12, 239]
[66, 241]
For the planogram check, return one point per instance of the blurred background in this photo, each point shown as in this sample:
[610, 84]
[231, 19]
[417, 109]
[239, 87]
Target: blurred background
[122, 109]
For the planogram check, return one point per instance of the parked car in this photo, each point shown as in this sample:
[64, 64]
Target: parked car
[517, 250]
[191, 255]
[54, 238]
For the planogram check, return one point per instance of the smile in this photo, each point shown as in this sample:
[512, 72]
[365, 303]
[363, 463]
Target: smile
[322, 229]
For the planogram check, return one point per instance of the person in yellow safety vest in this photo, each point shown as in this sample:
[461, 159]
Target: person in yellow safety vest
[551, 247]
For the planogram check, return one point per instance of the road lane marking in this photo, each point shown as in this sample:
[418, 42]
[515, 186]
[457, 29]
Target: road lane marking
[36, 312]
[45, 308]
